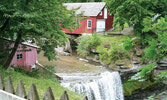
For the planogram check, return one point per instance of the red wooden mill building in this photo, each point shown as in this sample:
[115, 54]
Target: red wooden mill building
[97, 17]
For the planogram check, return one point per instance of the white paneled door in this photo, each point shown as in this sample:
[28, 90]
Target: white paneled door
[100, 27]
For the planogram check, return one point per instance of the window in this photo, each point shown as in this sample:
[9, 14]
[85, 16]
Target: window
[19, 56]
[77, 23]
[101, 13]
[89, 23]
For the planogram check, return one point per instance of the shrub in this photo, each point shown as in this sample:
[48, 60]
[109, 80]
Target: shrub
[112, 54]
[45, 74]
[87, 43]
[33, 73]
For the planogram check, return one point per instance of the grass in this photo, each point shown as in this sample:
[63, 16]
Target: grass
[41, 84]
[113, 39]
[106, 41]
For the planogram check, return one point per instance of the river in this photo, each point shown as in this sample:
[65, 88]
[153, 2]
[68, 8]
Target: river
[89, 79]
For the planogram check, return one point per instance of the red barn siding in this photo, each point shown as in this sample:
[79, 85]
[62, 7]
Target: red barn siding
[109, 22]
[101, 16]
[29, 57]
[83, 28]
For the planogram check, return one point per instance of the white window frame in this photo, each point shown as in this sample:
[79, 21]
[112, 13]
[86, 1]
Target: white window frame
[88, 24]
[19, 56]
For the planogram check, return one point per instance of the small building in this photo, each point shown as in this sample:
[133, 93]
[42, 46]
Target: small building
[25, 56]
[98, 18]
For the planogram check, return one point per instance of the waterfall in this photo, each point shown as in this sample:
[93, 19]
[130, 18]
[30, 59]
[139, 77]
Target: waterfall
[107, 87]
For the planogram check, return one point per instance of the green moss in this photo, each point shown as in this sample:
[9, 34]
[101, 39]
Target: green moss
[131, 86]
[41, 84]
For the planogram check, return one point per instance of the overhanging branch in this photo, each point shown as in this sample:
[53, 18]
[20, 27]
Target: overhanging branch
[5, 24]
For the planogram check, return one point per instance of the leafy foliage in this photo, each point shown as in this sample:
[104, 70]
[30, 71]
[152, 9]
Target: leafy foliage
[39, 20]
[34, 73]
[128, 44]
[47, 73]
[109, 49]
[112, 54]
[134, 11]
[87, 43]
[146, 73]
[158, 45]
[157, 48]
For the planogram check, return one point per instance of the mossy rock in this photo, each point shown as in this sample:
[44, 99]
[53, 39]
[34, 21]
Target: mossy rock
[130, 86]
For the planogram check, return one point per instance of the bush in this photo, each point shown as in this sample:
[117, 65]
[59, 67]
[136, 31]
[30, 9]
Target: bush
[45, 74]
[87, 43]
[33, 73]
[112, 54]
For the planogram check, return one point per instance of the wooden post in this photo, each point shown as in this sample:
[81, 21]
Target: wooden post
[64, 96]
[85, 98]
[49, 95]
[20, 91]
[33, 94]
[1, 82]
[9, 86]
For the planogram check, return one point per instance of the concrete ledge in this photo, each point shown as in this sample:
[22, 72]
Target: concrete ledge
[8, 96]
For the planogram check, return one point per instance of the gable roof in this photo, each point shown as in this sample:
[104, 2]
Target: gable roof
[88, 9]
[31, 45]
[23, 43]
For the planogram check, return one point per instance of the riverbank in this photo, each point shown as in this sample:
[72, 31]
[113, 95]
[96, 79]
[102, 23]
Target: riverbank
[72, 64]
[110, 52]
[69, 64]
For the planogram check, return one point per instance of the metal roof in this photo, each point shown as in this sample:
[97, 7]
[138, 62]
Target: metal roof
[23, 43]
[88, 9]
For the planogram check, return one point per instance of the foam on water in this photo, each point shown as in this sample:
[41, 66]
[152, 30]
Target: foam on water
[107, 86]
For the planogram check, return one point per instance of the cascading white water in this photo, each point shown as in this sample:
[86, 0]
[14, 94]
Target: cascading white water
[106, 87]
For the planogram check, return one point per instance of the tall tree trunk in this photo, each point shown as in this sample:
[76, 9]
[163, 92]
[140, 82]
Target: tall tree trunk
[6, 64]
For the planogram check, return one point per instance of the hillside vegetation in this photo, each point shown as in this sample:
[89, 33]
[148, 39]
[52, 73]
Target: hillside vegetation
[41, 84]
[110, 49]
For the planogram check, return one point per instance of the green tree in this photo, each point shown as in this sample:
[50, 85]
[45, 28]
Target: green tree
[133, 12]
[41, 20]
[157, 46]
[142, 15]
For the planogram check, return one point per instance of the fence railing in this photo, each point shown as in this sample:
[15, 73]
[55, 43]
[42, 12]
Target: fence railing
[7, 92]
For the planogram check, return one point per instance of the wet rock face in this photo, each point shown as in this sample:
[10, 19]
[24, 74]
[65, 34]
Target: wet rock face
[143, 94]
[162, 65]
